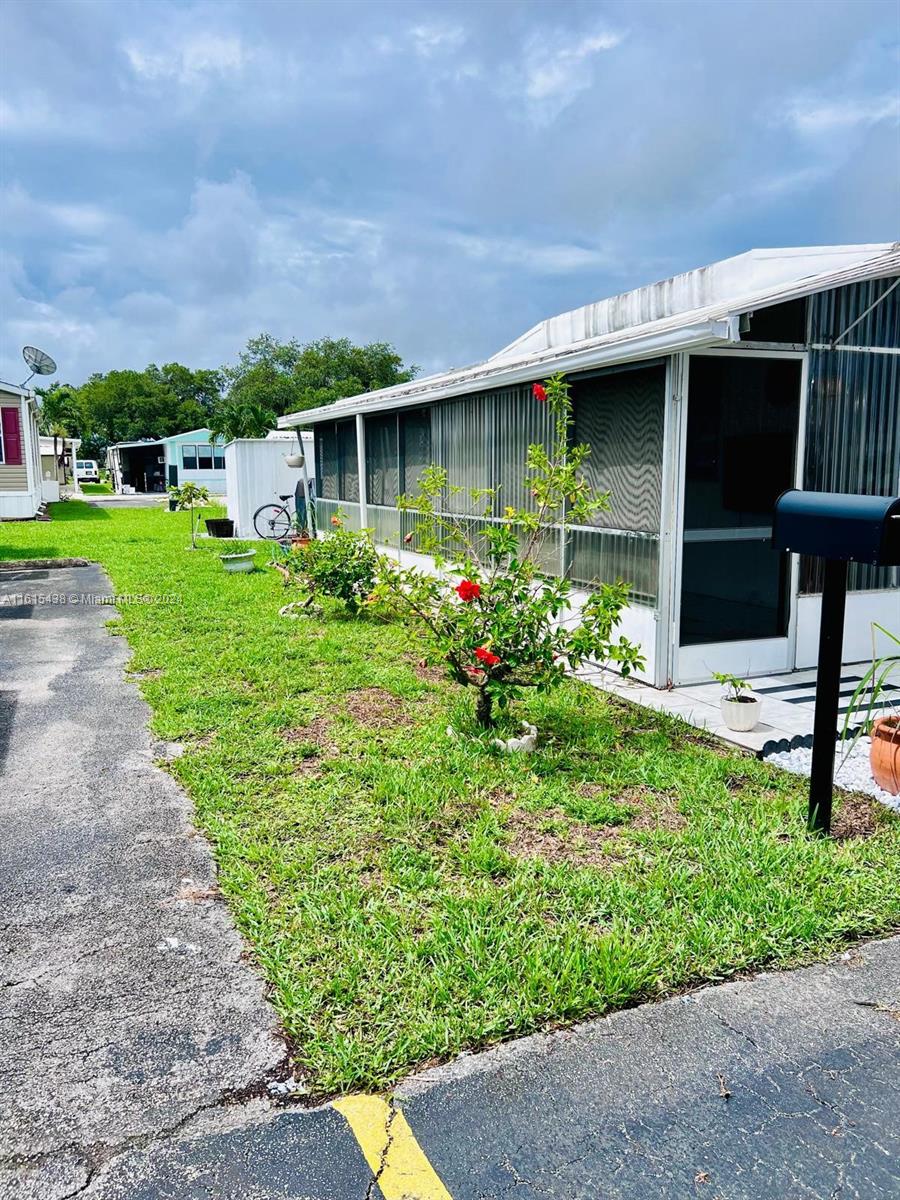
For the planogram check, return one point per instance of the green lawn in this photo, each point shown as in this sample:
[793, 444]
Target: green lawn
[407, 895]
[97, 489]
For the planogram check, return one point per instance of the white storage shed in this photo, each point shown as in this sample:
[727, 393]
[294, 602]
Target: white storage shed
[256, 474]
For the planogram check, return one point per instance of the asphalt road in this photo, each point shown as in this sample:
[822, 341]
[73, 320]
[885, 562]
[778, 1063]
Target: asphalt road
[128, 1059]
[127, 1004]
[118, 500]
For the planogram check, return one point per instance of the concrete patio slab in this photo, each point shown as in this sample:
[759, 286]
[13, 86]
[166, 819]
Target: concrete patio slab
[788, 705]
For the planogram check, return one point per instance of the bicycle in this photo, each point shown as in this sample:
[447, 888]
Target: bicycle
[275, 521]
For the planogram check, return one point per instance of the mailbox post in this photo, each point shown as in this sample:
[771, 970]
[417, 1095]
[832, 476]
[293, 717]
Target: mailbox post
[839, 529]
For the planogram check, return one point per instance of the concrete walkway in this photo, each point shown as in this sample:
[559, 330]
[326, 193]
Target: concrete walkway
[127, 1005]
[788, 705]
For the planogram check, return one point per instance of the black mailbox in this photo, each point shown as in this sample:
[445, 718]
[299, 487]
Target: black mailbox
[840, 527]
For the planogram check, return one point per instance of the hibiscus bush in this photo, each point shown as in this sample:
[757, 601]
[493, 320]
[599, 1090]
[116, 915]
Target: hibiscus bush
[496, 619]
[341, 565]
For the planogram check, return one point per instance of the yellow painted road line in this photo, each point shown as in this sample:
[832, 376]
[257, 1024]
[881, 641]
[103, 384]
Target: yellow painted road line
[391, 1150]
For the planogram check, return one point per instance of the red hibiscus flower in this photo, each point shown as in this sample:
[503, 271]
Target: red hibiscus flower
[486, 656]
[540, 392]
[335, 520]
[467, 590]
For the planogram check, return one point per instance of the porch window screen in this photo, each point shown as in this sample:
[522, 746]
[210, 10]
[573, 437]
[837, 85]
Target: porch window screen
[348, 464]
[189, 457]
[326, 462]
[204, 458]
[415, 448]
[463, 433]
[382, 459]
[620, 416]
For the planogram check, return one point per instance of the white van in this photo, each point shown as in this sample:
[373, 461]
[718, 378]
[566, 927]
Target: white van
[86, 470]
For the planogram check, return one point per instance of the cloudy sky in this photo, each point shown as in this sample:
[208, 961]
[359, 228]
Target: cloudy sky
[177, 176]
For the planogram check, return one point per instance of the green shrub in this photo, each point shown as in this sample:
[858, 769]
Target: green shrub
[340, 565]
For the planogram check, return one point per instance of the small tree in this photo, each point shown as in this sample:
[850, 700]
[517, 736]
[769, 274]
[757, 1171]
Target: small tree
[497, 620]
[190, 496]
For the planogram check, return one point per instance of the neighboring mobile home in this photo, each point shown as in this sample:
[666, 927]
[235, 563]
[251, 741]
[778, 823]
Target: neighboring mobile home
[20, 463]
[702, 397]
[154, 465]
[58, 457]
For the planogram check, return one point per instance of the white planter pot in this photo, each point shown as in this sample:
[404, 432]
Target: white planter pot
[234, 563]
[741, 715]
[293, 460]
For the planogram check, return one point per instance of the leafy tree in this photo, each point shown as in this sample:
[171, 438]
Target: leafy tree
[289, 377]
[202, 387]
[127, 405]
[59, 416]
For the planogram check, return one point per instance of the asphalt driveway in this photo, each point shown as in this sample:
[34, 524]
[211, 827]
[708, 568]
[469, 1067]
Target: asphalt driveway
[127, 1004]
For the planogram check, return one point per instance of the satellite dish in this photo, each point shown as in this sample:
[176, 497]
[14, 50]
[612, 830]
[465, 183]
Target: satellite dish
[40, 363]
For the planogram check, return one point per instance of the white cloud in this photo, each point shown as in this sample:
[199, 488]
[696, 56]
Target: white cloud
[428, 40]
[553, 69]
[543, 258]
[25, 213]
[562, 72]
[189, 59]
[813, 116]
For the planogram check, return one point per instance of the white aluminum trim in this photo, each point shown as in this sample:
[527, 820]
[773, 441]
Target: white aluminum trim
[361, 470]
[763, 656]
[685, 657]
[485, 377]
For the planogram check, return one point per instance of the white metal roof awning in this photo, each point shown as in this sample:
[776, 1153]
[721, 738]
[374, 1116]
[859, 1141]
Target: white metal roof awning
[698, 309]
[491, 374]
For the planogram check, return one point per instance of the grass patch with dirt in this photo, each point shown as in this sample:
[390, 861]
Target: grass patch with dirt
[408, 895]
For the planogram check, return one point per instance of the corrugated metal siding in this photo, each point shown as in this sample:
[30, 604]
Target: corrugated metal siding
[831, 313]
[326, 509]
[853, 414]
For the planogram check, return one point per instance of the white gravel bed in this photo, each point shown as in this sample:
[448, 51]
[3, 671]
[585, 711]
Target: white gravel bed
[854, 773]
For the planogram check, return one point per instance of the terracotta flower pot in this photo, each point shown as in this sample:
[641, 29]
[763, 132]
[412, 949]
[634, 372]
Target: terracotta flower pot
[884, 754]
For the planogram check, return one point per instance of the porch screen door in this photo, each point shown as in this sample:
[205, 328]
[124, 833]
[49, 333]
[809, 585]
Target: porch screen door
[741, 451]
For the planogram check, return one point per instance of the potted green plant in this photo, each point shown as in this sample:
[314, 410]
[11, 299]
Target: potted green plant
[189, 496]
[240, 560]
[883, 729]
[299, 535]
[739, 707]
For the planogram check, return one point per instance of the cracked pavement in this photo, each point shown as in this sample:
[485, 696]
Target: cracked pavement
[125, 1008]
[135, 1034]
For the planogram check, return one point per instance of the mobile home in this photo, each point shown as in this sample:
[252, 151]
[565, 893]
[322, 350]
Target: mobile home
[20, 462]
[703, 397]
[152, 465]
